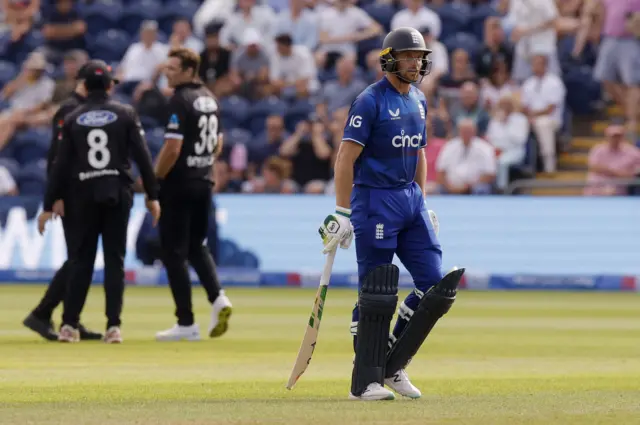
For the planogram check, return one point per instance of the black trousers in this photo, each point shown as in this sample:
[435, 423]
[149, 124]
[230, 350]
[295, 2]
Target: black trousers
[184, 225]
[54, 295]
[90, 220]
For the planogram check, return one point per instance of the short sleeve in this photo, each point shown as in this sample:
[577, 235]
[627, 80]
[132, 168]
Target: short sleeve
[361, 118]
[175, 125]
[596, 155]
[362, 19]
[423, 102]
[442, 161]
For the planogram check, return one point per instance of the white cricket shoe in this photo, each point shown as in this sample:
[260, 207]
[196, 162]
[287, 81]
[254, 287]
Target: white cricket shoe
[113, 335]
[179, 333]
[400, 383]
[220, 313]
[374, 391]
[69, 334]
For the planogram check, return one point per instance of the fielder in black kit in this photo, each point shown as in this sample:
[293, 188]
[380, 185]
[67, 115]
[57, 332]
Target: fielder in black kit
[184, 167]
[96, 145]
[39, 320]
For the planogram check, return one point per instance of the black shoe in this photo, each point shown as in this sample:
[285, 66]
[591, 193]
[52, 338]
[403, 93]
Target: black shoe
[41, 327]
[87, 335]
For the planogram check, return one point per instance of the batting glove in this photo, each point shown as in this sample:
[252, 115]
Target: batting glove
[434, 222]
[336, 229]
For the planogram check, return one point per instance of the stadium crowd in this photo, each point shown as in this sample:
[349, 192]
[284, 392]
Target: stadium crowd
[507, 76]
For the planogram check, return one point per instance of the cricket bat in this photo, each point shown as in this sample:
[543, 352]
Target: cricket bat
[311, 334]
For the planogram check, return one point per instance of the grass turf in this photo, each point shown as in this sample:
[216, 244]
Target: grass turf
[495, 359]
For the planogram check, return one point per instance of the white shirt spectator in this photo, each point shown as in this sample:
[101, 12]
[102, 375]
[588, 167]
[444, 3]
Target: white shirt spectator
[532, 13]
[7, 183]
[140, 63]
[299, 65]
[424, 18]
[304, 29]
[439, 57]
[262, 18]
[341, 23]
[540, 93]
[194, 43]
[465, 165]
[490, 94]
[509, 135]
[33, 94]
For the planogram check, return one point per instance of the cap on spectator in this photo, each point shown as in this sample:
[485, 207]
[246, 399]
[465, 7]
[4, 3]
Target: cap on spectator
[97, 73]
[285, 39]
[149, 24]
[213, 27]
[251, 37]
[36, 61]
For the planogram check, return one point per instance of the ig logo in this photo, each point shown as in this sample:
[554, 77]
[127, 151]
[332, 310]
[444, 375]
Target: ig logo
[355, 121]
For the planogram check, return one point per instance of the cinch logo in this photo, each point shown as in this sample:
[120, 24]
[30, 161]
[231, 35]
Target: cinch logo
[406, 141]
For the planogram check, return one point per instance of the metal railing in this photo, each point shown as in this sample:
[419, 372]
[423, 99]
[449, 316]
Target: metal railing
[519, 185]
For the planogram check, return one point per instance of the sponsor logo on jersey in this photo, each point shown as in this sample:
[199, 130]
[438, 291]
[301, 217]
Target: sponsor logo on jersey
[96, 118]
[205, 104]
[407, 141]
[395, 115]
[174, 124]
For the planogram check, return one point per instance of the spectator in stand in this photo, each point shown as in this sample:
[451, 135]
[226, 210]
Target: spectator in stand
[26, 94]
[466, 164]
[534, 34]
[71, 64]
[341, 26]
[8, 185]
[611, 160]
[224, 181]
[268, 143]
[494, 50]
[449, 85]
[374, 70]
[215, 62]
[543, 100]
[439, 62]
[310, 152]
[470, 108]
[300, 22]
[293, 70]
[617, 64]
[182, 36]
[417, 15]
[340, 93]
[20, 15]
[251, 67]
[498, 85]
[274, 178]
[432, 151]
[143, 61]
[508, 132]
[260, 18]
[63, 30]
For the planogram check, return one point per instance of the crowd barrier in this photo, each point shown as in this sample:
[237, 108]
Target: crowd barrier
[504, 242]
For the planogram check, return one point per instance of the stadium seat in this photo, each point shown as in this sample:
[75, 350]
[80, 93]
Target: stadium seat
[234, 111]
[238, 136]
[8, 72]
[463, 41]
[32, 178]
[175, 9]
[479, 14]
[381, 13]
[454, 18]
[102, 15]
[12, 166]
[582, 90]
[110, 45]
[136, 12]
[297, 112]
[31, 145]
[260, 110]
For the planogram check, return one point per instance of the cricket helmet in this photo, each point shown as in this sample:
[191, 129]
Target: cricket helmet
[402, 40]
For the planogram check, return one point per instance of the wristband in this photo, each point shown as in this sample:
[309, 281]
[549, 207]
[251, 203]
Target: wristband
[345, 212]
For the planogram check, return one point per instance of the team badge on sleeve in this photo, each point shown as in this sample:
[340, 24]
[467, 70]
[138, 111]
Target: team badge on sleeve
[174, 124]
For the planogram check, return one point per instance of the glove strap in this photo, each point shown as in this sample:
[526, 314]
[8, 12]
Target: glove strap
[345, 212]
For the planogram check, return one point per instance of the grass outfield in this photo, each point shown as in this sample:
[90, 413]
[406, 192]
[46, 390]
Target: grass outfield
[496, 359]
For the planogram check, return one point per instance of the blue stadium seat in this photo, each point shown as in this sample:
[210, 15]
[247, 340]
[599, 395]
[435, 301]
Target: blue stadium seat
[8, 72]
[244, 259]
[136, 12]
[381, 13]
[454, 18]
[238, 136]
[101, 15]
[297, 112]
[479, 14]
[226, 251]
[32, 178]
[260, 110]
[175, 9]
[234, 111]
[463, 41]
[31, 145]
[33, 40]
[110, 45]
[582, 90]
[365, 46]
[12, 166]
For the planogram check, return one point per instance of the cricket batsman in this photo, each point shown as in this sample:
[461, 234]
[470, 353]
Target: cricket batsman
[380, 173]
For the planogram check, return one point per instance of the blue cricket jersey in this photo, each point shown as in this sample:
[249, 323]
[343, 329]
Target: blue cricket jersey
[392, 129]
